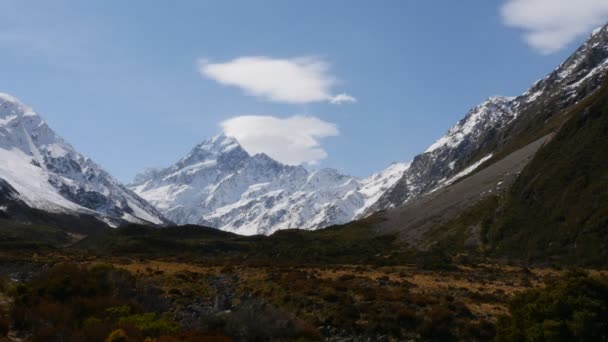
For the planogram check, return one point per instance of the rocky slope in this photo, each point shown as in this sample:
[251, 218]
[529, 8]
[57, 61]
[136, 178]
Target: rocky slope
[219, 184]
[42, 171]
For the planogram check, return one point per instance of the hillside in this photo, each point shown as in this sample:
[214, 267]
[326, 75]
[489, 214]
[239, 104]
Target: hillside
[550, 208]
[557, 208]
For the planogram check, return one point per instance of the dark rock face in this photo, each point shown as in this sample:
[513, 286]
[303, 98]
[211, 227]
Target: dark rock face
[452, 153]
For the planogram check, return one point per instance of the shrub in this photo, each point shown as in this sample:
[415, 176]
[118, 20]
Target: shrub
[76, 303]
[434, 259]
[150, 324]
[118, 311]
[117, 335]
[437, 324]
[571, 308]
[4, 326]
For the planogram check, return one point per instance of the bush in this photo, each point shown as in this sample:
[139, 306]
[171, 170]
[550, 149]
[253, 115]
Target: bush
[76, 303]
[4, 326]
[571, 308]
[117, 335]
[434, 259]
[150, 325]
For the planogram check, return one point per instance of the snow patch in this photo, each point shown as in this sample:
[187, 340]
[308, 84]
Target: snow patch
[596, 30]
[467, 171]
[490, 111]
[32, 182]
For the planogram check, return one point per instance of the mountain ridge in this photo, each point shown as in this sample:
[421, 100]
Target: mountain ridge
[483, 136]
[47, 173]
[219, 184]
[470, 140]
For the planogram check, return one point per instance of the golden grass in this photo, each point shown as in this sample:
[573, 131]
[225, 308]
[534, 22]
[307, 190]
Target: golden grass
[5, 303]
[489, 284]
[168, 268]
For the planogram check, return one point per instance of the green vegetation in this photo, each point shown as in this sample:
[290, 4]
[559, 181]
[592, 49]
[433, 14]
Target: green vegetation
[355, 242]
[556, 211]
[353, 302]
[98, 303]
[572, 308]
[19, 236]
[150, 324]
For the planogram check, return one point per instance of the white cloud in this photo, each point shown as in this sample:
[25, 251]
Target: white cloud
[293, 140]
[549, 25]
[342, 98]
[296, 80]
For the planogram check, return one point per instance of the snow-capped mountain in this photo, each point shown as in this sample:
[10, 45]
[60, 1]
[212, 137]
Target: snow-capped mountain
[220, 185]
[497, 120]
[40, 169]
[449, 155]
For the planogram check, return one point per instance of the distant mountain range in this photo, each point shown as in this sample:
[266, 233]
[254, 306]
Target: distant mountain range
[219, 184]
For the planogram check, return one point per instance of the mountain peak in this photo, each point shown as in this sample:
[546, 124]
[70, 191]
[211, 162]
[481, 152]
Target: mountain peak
[219, 144]
[493, 112]
[10, 106]
[589, 57]
[49, 174]
[599, 29]
[499, 99]
[597, 39]
[4, 97]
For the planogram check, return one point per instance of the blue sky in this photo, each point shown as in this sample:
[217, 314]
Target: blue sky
[136, 84]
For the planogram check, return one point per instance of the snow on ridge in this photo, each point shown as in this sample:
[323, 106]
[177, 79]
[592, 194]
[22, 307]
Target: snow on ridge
[377, 184]
[49, 174]
[480, 114]
[219, 144]
[31, 182]
[256, 194]
[498, 105]
[593, 72]
[597, 30]
[19, 107]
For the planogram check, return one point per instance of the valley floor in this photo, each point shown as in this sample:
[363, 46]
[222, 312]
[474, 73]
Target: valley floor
[311, 302]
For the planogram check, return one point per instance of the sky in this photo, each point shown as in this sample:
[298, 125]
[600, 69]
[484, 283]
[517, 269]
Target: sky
[353, 85]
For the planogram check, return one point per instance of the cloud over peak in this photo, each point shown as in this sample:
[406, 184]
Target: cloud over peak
[294, 140]
[550, 25]
[296, 80]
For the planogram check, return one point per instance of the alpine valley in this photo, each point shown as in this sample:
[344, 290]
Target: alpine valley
[497, 232]
[219, 184]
